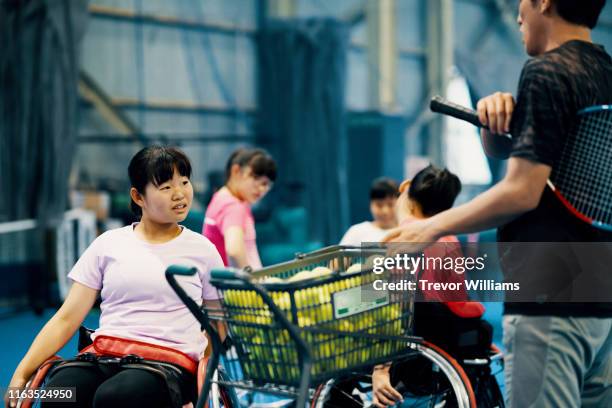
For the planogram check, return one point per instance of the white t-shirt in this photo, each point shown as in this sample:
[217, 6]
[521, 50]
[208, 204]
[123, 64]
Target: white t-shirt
[363, 232]
[137, 301]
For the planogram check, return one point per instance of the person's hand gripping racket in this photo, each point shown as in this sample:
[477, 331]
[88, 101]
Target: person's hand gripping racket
[495, 114]
[494, 117]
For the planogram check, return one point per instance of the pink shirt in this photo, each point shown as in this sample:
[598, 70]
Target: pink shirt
[137, 301]
[223, 212]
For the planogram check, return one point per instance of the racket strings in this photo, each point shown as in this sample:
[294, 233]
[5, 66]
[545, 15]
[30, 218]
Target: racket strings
[583, 175]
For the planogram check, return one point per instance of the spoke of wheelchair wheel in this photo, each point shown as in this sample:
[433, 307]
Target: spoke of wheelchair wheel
[350, 396]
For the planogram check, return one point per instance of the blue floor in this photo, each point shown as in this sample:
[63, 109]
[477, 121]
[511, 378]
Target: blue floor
[17, 333]
[493, 314]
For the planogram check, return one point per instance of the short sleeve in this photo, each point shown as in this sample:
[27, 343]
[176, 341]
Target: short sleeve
[541, 116]
[209, 292]
[233, 215]
[349, 237]
[87, 270]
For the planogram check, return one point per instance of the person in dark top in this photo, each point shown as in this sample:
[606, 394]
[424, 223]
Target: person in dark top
[559, 352]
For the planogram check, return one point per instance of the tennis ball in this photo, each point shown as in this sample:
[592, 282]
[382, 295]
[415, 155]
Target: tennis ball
[345, 325]
[299, 276]
[282, 300]
[369, 263]
[283, 338]
[354, 268]
[315, 273]
[304, 321]
[256, 349]
[324, 349]
[340, 363]
[272, 279]
[327, 312]
[263, 320]
[320, 271]
[365, 354]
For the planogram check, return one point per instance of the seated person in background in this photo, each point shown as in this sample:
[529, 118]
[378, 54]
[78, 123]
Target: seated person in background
[383, 195]
[437, 313]
[229, 222]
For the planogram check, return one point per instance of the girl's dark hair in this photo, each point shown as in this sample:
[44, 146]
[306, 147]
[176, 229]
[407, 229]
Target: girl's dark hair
[382, 188]
[155, 164]
[260, 162]
[434, 189]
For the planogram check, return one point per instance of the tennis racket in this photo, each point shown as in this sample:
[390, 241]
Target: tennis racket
[582, 178]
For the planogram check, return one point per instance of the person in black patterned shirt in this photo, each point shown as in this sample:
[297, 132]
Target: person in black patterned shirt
[559, 354]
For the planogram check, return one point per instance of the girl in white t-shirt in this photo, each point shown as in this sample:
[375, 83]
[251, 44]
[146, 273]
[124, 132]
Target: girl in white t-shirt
[126, 268]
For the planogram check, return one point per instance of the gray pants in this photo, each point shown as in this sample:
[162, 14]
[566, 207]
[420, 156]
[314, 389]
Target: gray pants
[558, 362]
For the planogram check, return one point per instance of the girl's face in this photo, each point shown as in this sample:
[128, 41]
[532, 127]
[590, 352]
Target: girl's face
[169, 202]
[249, 187]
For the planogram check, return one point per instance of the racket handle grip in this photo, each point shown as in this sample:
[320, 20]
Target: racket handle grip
[441, 105]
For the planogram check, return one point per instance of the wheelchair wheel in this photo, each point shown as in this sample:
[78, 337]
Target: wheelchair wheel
[488, 393]
[220, 396]
[482, 373]
[486, 389]
[426, 376]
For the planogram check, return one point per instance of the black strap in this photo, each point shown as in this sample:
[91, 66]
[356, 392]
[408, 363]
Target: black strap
[170, 373]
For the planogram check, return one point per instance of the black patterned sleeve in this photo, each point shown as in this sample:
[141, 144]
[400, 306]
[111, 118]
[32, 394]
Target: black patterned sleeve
[542, 114]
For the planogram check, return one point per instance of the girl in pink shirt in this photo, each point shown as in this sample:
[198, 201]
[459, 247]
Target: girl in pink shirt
[126, 268]
[229, 223]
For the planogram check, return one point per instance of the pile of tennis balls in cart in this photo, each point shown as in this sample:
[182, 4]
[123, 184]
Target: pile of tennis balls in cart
[270, 352]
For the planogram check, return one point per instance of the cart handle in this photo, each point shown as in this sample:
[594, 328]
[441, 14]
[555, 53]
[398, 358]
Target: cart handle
[230, 274]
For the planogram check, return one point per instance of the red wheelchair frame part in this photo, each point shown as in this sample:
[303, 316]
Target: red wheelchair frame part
[38, 378]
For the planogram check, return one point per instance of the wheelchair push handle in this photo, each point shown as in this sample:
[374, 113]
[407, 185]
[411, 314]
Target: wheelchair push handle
[230, 274]
[180, 270]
